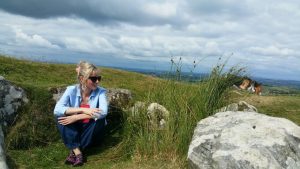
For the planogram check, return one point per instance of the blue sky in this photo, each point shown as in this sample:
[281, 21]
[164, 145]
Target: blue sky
[263, 36]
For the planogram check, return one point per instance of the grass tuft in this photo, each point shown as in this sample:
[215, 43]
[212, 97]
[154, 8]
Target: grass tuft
[187, 103]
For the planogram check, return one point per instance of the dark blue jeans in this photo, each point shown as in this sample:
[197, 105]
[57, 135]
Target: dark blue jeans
[81, 135]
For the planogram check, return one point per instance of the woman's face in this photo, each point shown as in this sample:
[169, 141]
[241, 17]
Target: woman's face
[93, 80]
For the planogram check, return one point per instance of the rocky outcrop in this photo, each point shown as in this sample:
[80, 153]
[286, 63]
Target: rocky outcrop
[11, 98]
[157, 114]
[3, 164]
[240, 106]
[57, 92]
[119, 98]
[245, 140]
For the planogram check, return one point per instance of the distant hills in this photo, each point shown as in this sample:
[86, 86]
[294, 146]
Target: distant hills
[279, 83]
[199, 76]
[271, 86]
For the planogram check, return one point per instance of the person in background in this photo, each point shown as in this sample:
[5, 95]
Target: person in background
[81, 113]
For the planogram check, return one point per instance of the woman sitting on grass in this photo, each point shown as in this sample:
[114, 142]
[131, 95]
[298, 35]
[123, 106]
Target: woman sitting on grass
[81, 113]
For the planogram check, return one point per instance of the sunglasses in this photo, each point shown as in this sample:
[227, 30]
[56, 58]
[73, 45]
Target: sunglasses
[95, 78]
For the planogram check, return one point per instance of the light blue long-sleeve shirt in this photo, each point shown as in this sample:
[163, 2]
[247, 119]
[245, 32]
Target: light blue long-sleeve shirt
[72, 98]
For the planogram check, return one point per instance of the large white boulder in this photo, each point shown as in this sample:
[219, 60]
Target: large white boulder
[245, 140]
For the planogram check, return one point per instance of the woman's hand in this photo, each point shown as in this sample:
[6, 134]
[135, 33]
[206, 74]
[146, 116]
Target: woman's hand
[67, 119]
[92, 111]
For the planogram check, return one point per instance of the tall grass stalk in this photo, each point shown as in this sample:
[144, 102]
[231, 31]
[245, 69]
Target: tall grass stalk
[188, 103]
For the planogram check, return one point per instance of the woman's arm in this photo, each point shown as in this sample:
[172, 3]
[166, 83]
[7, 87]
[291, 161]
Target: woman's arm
[87, 111]
[65, 120]
[63, 107]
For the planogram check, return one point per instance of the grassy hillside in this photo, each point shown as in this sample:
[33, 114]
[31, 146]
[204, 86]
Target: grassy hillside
[277, 106]
[33, 142]
[35, 133]
[44, 75]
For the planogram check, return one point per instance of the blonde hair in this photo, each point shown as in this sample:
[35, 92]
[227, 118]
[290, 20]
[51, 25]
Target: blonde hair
[84, 69]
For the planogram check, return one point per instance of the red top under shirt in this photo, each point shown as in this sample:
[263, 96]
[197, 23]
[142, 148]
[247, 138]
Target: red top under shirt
[85, 106]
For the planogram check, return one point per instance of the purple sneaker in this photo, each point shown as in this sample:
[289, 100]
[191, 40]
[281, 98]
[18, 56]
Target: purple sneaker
[78, 160]
[71, 158]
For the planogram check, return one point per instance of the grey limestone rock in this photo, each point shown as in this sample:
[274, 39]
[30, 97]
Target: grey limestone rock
[57, 92]
[241, 140]
[11, 98]
[3, 164]
[240, 106]
[119, 98]
[157, 114]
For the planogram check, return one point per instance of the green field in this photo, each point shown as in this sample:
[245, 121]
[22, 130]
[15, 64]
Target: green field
[33, 141]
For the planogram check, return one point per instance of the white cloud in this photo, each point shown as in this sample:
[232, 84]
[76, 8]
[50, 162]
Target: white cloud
[163, 10]
[207, 27]
[212, 48]
[77, 44]
[95, 45]
[135, 43]
[271, 51]
[257, 32]
[35, 40]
